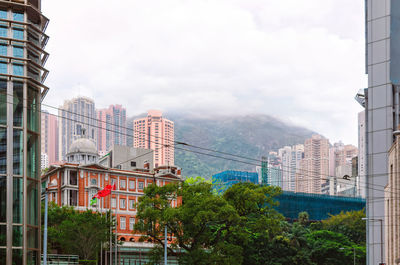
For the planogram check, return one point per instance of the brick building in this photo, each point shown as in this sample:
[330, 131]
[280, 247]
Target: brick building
[74, 185]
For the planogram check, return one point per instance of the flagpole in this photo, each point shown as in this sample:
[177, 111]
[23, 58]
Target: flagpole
[110, 230]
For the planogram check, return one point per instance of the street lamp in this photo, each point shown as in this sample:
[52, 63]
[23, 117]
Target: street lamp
[381, 221]
[354, 254]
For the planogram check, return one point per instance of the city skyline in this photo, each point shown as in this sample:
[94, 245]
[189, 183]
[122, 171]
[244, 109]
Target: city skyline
[299, 83]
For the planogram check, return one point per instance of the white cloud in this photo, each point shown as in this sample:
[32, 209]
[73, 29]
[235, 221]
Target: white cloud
[298, 60]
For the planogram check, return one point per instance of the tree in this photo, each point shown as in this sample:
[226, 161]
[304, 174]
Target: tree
[349, 224]
[75, 232]
[201, 224]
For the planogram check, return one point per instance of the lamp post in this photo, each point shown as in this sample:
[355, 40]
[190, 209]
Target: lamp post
[381, 221]
[354, 254]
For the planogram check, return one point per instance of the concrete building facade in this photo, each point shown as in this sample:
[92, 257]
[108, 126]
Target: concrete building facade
[128, 158]
[381, 102]
[392, 206]
[49, 136]
[156, 133]
[111, 127]
[290, 157]
[314, 167]
[77, 117]
[22, 76]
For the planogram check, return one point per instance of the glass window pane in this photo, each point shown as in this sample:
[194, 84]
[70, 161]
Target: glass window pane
[18, 193]
[32, 159]
[32, 202]
[18, 69]
[3, 14]
[17, 256]
[3, 151]
[17, 236]
[3, 100]
[3, 31]
[18, 98]
[18, 145]
[3, 49]
[2, 256]
[33, 110]
[3, 238]
[32, 237]
[18, 34]
[3, 68]
[3, 200]
[32, 257]
[18, 51]
[18, 16]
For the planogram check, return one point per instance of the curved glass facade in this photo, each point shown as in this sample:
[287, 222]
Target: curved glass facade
[22, 74]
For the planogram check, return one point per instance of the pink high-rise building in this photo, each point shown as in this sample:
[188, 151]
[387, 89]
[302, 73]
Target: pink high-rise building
[314, 172]
[112, 127]
[49, 137]
[156, 133]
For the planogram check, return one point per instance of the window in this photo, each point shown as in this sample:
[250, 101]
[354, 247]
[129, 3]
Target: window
[122, 223]
[113, 202]
[3, 49]
[3, 14]
[18, 16]
[113, 181]
[132, 184]
[131, 204]
[18, 69]
[131, 223]
[122, 184]
[73, 199]
[73, 178]
[18, 51]
[141, 185]
[122, 204]
[3, 31]
[3, 68]
[133, 164]
[93, 182]
[18, 34]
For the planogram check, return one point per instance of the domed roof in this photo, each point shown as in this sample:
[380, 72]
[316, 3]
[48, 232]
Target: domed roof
[83, 145]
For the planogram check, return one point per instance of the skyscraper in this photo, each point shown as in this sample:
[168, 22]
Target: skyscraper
[314, 167]
[22, 76]
[156, 133]
[382, 113]
[111, 127]
[49, 137]
[77, 116]
[291, 157]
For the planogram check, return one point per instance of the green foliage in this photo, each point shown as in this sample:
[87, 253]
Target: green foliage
[68, 229]
[349, 224]
[241, 227]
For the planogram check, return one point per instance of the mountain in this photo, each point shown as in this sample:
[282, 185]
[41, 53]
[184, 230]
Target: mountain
[251, 136]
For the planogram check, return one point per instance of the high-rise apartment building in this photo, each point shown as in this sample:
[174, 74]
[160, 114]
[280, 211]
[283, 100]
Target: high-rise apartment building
[382, 113]
[49, 137]
[340, 165]
[314, 167]
[111, 127]
[22, 76]
[156, 133]
[290, 157]
[77, 117]
[130, 131]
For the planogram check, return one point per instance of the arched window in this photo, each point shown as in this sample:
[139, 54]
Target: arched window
[122, 238]
[93, 181]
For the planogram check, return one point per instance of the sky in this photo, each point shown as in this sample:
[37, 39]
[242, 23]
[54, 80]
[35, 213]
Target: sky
[300, 61]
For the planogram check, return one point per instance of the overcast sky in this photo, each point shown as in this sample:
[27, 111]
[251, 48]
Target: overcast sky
[301, 61]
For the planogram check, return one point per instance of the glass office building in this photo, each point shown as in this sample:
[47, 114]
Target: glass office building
[22, 57]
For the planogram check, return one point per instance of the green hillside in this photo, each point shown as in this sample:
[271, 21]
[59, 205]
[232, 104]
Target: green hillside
[250, 136]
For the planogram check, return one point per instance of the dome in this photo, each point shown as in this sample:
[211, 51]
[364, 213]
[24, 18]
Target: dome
[83, 145]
